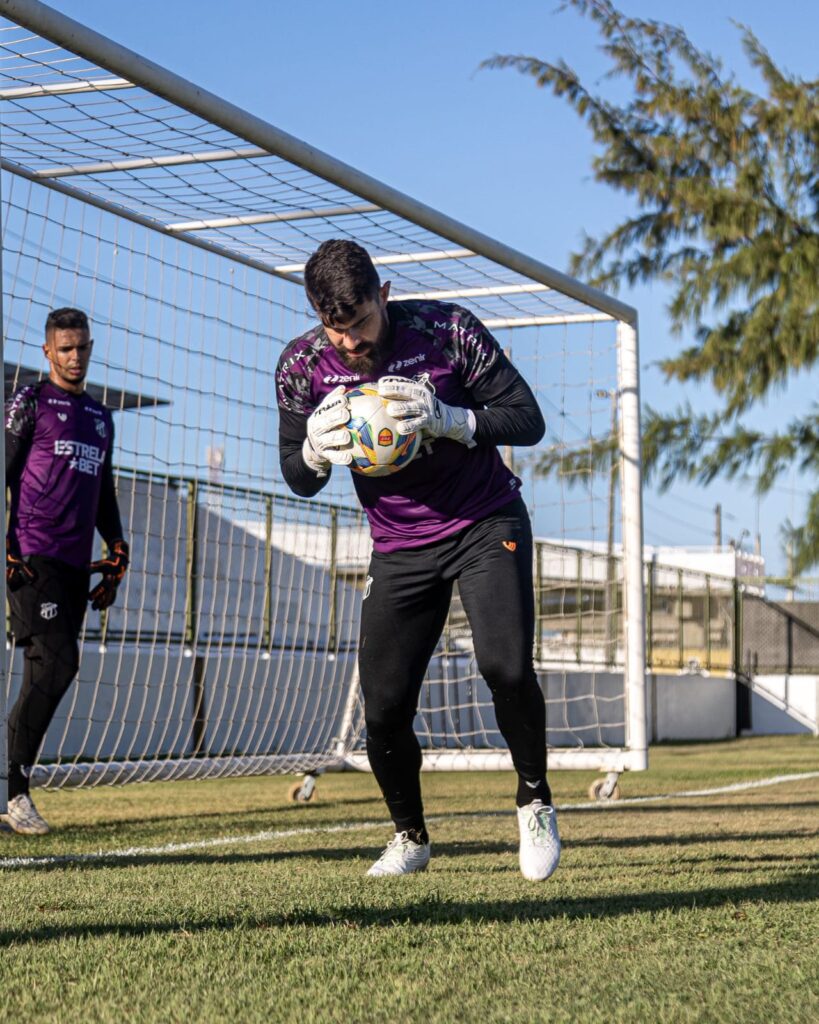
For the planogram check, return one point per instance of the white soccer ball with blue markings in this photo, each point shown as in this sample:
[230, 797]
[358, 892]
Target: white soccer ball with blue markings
[378, 448]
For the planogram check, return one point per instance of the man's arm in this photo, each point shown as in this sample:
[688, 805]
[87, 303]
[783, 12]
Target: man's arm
[507, 411]
[109, 523]
[19, 425]
[510, 413]
[20, 417]
[297, 474]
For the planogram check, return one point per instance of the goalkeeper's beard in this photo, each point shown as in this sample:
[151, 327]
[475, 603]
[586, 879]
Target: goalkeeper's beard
[369, 356]
[369, 360]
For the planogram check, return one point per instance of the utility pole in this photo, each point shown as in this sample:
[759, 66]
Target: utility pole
[789, 554]
[718, 525]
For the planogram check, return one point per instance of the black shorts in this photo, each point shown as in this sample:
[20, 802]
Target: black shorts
[54, 603]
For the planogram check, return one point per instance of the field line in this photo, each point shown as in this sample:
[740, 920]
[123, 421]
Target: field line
[275, 834]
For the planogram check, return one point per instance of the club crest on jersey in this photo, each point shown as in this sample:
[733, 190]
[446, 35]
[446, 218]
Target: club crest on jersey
[48, 610]
[101, 428]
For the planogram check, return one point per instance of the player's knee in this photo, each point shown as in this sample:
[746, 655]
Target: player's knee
[386, 720]
[56, 657]
[505, 675]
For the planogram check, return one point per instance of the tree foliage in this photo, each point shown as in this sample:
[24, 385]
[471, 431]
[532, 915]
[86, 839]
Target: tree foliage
[725, 183]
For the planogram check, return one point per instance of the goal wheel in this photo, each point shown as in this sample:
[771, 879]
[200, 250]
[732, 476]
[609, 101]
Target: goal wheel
[302, 792]
[597, 790]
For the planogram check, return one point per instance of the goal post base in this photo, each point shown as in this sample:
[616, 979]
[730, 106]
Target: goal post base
[470, 760]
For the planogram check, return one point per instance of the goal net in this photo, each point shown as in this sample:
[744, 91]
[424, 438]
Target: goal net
[181, 225]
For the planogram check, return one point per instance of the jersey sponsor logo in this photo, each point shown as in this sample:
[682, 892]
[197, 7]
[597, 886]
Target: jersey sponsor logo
[85, 458]
[465, 333]
[62, 416]
[400, 364]
[49, 610]
[21, 399]
[341, 378]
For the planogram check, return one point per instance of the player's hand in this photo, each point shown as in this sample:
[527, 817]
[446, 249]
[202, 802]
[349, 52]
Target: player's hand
[328, 440]
[414, 405]
[18, 572]
[113, 569]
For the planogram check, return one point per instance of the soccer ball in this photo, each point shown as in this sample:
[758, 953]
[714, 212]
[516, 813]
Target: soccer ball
[378, 448]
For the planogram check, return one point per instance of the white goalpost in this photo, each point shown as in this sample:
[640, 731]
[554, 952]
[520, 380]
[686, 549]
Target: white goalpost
[181, 224]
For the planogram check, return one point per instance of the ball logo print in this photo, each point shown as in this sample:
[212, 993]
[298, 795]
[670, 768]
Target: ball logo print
[378, 448]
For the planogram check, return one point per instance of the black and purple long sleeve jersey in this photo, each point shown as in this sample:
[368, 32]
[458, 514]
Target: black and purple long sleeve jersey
[447, 486]
[59, 470]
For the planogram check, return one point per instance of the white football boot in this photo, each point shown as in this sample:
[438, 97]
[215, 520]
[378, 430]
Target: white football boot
[539, 841]
[401, 857]
[23, 817]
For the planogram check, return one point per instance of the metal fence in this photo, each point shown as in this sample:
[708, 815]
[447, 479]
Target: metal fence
[227, 566]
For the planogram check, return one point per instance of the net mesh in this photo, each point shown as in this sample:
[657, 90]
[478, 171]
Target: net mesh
[232, 646]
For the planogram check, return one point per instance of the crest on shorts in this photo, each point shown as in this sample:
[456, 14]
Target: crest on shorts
[48, 610]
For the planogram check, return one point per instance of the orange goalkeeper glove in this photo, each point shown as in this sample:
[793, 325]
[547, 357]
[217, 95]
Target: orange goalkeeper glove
[18, 572]
[113, 569]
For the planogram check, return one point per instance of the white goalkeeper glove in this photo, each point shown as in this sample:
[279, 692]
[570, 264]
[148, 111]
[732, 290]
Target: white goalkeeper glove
[327, 437]
[416, 408]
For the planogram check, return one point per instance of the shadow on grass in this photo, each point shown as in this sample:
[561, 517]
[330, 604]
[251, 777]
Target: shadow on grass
[89, 862]
[264, 818]
[537, 905]
[692, 839]
[718, 804]
[223, 813]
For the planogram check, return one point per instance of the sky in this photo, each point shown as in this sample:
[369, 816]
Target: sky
[397, 91]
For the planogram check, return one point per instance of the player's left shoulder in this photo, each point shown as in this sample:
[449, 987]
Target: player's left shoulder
[447, 321]
[99, 416]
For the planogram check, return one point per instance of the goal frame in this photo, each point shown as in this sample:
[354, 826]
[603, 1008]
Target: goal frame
[129, 68]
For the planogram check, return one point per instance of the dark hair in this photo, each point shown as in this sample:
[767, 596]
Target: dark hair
[338, 277]
[64, 319]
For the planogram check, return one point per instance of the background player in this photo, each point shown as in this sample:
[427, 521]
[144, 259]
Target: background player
[59, 444]
[454, 513]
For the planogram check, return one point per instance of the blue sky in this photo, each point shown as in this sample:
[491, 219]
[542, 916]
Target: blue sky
[395, 90]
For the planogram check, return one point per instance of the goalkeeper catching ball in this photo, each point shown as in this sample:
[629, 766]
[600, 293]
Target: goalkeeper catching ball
[454, 513]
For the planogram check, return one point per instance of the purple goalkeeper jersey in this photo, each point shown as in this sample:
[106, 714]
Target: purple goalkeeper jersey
[65, 442]
[447, 486]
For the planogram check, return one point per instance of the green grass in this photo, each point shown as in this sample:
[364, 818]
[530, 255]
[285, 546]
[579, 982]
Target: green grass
[698, 909]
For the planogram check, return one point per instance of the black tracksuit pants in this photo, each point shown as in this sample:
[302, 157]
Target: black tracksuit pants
[403, 615]
[46, 618]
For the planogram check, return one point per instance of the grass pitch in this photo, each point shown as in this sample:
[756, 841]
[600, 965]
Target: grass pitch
[698, 908]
